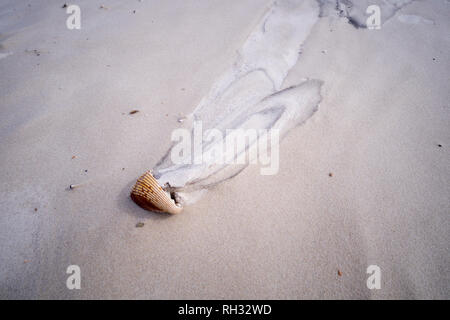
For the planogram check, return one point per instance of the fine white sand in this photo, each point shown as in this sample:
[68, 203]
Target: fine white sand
[382, 130]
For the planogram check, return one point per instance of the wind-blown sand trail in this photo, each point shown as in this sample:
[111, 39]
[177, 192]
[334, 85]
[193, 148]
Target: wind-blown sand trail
[363, 180]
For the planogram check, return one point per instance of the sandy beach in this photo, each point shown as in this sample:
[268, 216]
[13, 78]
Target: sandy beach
[363, 180]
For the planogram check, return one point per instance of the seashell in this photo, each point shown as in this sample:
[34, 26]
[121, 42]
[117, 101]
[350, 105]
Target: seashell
[148, 194]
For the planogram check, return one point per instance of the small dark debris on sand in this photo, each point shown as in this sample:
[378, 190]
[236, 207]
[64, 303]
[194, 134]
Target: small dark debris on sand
[35, 209]
[339, 273]
[330, 174]
[139, 225]
[64, 5]
[134, 111]
[439, 145]
[34, 51]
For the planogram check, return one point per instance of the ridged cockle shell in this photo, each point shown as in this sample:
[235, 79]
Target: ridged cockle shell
[148, 194]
